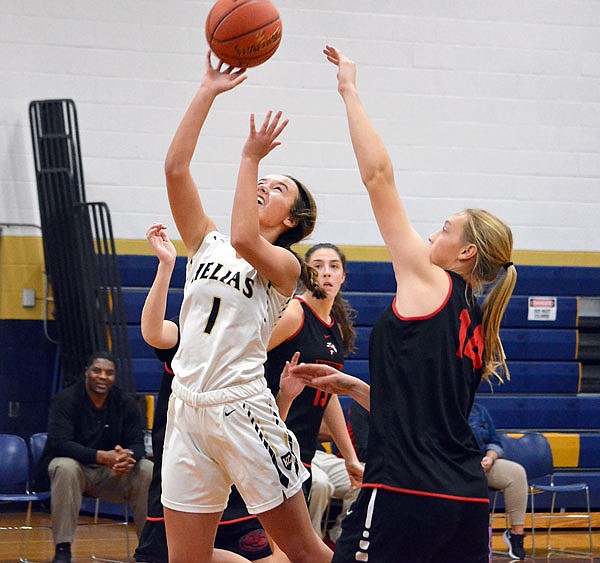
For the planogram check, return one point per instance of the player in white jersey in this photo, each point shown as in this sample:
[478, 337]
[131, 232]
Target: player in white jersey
[223, 290]
[223, 425]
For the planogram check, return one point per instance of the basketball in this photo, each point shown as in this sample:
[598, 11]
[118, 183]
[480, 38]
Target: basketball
[243, 33]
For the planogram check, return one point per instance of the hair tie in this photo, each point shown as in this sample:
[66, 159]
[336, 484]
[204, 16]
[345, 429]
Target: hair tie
[508, 265]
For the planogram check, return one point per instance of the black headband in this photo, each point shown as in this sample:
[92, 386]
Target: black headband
[301, 192]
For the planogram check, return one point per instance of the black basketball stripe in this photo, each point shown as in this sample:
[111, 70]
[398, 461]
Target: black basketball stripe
[238, 37]
[227, 14]
[283, 479]
[288, 436]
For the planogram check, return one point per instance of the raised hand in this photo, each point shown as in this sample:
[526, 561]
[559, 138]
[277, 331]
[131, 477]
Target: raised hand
[290, 386]
[222, 77]
[161, 244]
[261, 142]
[346, 75]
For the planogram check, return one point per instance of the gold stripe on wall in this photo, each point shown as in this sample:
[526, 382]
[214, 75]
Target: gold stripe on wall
[22, 266]
[380, 254]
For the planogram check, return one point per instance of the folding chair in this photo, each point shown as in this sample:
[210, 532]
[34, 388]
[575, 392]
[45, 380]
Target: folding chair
[532, 450]
[496, 492]
[14, 479]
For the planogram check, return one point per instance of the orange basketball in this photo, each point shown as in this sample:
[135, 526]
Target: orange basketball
[243, 32]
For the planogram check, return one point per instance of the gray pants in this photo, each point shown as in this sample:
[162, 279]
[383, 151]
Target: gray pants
[329, 480]
[511, 479]
[69, 479]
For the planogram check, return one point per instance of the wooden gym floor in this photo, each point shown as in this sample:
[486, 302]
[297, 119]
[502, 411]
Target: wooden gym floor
[109, 541]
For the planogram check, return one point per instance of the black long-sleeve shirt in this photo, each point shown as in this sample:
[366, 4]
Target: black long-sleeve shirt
[77, 429]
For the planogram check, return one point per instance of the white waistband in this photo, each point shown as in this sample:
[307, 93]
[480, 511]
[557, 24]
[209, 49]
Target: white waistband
[219, 396]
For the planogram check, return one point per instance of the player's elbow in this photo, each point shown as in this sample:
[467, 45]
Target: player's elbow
[151, 335]
[242, 241]
[379, 175]
[175, 166]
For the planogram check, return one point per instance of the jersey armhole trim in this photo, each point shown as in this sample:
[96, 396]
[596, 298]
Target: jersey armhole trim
[430, 315]
[325, 324]
[299, 329]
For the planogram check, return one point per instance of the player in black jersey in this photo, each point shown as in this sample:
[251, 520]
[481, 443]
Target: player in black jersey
[424, 496]
[320, 329]
[238, 531]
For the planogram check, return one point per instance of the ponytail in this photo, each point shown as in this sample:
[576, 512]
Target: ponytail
[344, 314]
[494, 306]
[309, 277]
[494, 243]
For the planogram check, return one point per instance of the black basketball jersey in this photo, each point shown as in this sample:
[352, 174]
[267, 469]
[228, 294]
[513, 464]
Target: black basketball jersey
[424, 373]
[317, 342]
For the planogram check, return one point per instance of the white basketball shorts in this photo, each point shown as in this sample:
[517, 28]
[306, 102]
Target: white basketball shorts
[226, 436]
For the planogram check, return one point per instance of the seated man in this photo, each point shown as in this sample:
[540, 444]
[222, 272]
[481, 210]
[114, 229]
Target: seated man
[96, 446]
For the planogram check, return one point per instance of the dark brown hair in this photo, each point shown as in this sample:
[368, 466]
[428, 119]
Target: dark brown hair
[343, 313]
[304, 211]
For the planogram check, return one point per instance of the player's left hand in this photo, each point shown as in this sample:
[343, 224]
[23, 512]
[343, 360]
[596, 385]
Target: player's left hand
[262, 141]
[161, 244]
[290, 386]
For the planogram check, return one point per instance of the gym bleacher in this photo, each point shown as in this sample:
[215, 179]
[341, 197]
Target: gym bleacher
[552, 346]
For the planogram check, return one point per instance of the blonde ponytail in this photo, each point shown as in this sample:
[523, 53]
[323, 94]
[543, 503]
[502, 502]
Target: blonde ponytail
[494, 242]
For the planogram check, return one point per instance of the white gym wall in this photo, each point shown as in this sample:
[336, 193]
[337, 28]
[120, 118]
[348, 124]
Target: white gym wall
[480, 103]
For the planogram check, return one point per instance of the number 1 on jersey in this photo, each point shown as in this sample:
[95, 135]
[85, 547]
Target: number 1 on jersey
[214, 312]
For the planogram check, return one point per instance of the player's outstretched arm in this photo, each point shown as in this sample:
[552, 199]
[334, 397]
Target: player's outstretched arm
[336, 422]
[190, 217]
[407, 249]
[276, 264]
[333, 381]
[157, 331]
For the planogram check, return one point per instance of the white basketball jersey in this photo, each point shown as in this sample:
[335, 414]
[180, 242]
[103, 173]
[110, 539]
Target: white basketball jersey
[226, 319]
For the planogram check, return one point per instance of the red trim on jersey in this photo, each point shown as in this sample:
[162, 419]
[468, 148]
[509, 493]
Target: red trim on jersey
[155, 519]
[431, 315]
[168, 369]
[306, 465]
[423, 493]
[328, 325]
[236, 520]
[297, 332]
